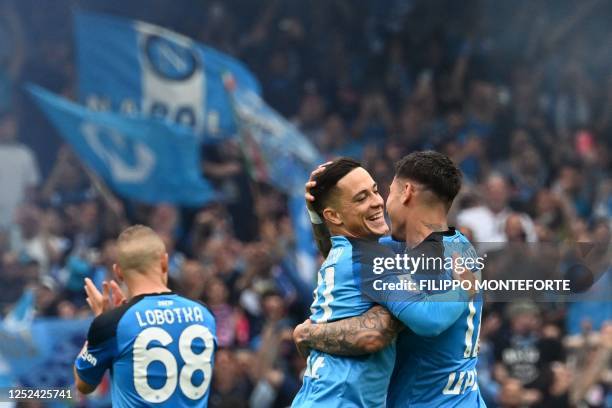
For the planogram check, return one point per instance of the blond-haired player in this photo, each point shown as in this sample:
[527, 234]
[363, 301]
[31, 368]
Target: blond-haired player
[158, 345]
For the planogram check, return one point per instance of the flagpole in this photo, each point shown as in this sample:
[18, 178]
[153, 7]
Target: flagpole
[230, 85]
[112, 202]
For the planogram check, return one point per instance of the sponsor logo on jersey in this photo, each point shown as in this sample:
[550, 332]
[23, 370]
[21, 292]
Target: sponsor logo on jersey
[85, 355]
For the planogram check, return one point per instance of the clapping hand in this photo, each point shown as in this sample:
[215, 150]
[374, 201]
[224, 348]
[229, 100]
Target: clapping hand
[111, 296]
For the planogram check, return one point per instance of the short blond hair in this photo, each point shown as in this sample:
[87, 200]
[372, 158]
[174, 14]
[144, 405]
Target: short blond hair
[139, 249]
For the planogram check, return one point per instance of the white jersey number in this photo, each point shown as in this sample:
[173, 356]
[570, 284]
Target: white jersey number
[471, 346]
[144, 356]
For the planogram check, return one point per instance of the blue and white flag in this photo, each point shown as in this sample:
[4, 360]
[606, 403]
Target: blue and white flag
[22, 313]
[285, 156]
[281, 156]
[145, 160]
[306, 251]
[131, 66]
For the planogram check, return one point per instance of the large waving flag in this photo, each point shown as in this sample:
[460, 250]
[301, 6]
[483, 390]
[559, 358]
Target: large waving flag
[130, 66]
[145, 160]
[280, 155]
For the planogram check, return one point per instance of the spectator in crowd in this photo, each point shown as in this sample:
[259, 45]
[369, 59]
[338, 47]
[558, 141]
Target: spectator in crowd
[526, 352]
[229, 319]
[68, 182]
[573, 186]
[35, 239]
[230, 386]
[18, 170]
[487, 221]
[523, 169]
[278, 381]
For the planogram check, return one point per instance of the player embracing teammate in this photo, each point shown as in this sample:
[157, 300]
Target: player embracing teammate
[366, 348]
[359, 355]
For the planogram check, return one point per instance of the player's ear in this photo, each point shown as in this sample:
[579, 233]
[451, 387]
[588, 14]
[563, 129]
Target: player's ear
[407, 192]
[164, 263]
[332, 216]
[118, 273]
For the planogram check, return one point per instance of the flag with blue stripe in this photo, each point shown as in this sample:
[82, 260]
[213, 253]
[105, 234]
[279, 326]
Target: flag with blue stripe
[145, 160]
[131, 66]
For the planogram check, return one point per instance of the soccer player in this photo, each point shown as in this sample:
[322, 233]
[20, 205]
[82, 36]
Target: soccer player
[435, 368]
[349, 202]
[158, 345]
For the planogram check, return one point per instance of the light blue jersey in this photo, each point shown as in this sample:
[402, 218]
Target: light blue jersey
[159, 348]
[336, 381]
[438, 368]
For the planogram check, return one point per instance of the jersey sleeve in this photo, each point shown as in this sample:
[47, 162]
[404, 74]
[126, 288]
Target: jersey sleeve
[99, 350]
[426, 314]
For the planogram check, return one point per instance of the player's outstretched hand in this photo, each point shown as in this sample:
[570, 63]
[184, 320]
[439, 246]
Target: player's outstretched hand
[300, 337]
[311, 183]
[461, 273]
[101, 302]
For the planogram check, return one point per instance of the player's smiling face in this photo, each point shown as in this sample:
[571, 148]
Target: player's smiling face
[360, 206]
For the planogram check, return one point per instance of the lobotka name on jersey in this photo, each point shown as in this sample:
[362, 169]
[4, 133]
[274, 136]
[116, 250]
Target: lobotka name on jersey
[158, 317]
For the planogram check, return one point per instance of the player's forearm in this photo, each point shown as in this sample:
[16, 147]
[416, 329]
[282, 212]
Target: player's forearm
[268, 352]
[81, 385]
[592, 373]
[430, 315]
[359, 335]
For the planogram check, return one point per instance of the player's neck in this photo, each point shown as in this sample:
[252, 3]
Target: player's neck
[341, 231]
[425, 222]
[145, 291]
[145, 286]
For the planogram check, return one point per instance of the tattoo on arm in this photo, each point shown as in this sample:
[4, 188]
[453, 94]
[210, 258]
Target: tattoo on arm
[322, 238]
[359, 335]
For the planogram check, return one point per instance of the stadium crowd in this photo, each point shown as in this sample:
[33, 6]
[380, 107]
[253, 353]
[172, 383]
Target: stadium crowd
[519, 94]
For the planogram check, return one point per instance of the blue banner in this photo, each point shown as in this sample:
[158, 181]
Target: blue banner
[144, 160]
[131, 66]
[42, 354]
